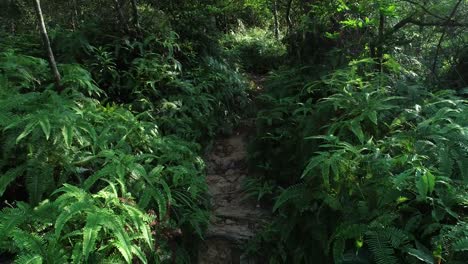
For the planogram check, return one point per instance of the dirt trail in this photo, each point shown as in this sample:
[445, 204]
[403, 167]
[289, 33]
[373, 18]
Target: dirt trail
[235, 219]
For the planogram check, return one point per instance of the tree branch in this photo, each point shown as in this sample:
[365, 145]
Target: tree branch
[439, 45]
[427, 11]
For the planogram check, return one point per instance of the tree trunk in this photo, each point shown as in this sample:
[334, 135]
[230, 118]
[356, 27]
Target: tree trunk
[74, 14]
[288, 16]
[275, 15]
[46, 42]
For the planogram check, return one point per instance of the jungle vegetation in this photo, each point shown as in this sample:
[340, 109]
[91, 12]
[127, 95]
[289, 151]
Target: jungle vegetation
[360, 146]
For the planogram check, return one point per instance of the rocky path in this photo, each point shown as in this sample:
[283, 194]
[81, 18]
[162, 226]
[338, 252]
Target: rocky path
[234, 219]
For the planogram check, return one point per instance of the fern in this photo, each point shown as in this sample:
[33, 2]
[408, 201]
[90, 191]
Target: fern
[29, 259]
[76, 78]
[11, 218]
[9, 177]
[90, 234]
[102, 218]
[381, 248]
[292, 193]
[461, 244]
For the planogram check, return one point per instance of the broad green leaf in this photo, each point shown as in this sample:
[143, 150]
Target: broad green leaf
[425, 182]
[373, 117]
[422, 253]
[419, 254]
[430, 179]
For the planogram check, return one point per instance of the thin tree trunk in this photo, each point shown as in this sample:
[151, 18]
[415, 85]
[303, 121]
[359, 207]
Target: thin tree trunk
[46, 42]
[288, 16]
[136, 17]
[275, 15]
[74, 14]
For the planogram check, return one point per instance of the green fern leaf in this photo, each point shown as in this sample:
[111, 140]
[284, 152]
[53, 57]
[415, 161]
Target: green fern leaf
[381, 248]
[10, 218]
[8, 177]
[105, 171]
[144, 199]
[139, 253]
[445, 162]
[29, 259]
[138, 220]
[38, 179]
[461, 244]
[67, 213]
[28, 242]
[27, 130]
[90, 233]
[293, 192]
[397, 237]
[161, 201]
[122, 243]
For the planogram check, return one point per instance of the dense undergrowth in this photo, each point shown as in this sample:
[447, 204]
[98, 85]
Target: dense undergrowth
[254, 50]
[108, 169]
[363, 159]
[360, 149]
[374, 172]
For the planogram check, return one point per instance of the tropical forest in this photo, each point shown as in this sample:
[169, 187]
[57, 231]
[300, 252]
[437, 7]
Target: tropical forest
[234, 131]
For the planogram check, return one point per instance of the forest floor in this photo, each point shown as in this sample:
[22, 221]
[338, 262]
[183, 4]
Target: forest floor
[235, 219]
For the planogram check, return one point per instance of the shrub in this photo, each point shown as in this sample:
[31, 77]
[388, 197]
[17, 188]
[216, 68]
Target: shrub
[100, 173]
[386, 175]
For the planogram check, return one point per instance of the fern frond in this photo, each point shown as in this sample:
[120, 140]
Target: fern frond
[381, 248]
[397, 237]
[293, 192]
[90, 234]
[28, 242]
[29, 259]
[10, 218]
[461, 244]
[10, 176]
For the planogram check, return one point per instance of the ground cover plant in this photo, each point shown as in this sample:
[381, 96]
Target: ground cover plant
[359, 142]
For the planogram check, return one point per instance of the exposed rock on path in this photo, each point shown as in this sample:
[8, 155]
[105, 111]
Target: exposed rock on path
[234, 219]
